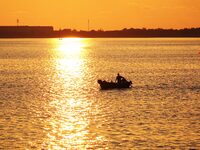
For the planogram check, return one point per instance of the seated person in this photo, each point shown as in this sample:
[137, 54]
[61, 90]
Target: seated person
[120, 79]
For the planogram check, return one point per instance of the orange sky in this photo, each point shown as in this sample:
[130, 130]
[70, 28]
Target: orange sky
[104, 14]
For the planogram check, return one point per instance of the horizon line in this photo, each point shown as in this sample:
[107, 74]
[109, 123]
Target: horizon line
[100, 29]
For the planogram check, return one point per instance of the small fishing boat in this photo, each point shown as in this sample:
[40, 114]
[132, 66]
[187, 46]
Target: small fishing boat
[114, 85]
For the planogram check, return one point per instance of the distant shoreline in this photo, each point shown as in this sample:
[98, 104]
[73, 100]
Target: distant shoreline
[90, 37]
[49, 32]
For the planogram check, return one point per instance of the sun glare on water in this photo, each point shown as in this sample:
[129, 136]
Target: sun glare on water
[70, 52]
[70, 123]
[71, 46]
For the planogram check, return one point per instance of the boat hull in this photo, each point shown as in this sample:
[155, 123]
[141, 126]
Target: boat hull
[113, 85]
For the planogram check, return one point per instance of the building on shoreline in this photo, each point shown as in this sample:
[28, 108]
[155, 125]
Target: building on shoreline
[26, 31]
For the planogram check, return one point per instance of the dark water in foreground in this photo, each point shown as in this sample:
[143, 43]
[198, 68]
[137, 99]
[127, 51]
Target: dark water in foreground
[49, 97]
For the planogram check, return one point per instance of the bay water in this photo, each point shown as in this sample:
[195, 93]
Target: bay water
[50, 98]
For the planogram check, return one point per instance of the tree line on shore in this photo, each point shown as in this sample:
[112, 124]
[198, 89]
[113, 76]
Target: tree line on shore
[132, 32]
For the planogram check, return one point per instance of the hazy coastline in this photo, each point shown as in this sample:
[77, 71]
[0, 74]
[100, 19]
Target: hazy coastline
[50, 32]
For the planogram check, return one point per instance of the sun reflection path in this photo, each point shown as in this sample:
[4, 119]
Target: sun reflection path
[69, 125]
[72, 47]
[70, 52]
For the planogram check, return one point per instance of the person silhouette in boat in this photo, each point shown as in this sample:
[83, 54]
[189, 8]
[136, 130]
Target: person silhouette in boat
[120, 79]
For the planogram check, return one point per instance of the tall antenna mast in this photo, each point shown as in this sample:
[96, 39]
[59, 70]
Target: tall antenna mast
[17, 22]
[88, 25]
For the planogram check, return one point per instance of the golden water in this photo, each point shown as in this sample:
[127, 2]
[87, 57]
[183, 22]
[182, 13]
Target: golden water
[50, 99]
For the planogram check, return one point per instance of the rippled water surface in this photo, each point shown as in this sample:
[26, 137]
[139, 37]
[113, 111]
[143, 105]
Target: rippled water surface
[50, 99]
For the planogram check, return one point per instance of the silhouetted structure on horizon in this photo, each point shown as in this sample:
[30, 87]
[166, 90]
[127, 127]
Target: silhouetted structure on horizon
[49, 32]
[26, 31]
